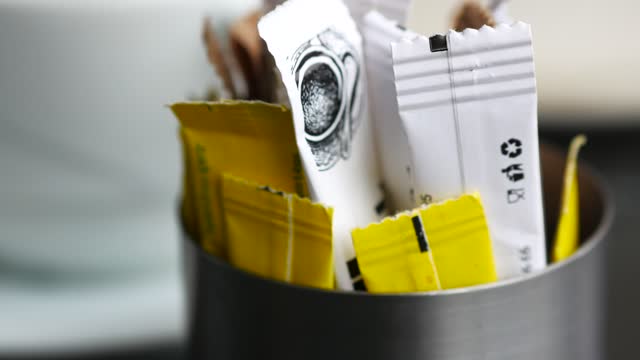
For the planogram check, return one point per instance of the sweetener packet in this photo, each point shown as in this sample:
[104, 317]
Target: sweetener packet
[276, 234]
[318, 51]
[440, 246]
[254, 140]
[393, 256]
[469, 106]
[500, 11]
[393, 147]
[568, 229]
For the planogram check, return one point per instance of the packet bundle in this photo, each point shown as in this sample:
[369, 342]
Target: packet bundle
[441, 246]
[253, 140]
[393, 148]
[469, 106]
[318, 51]
[568, 229]
[277, 235]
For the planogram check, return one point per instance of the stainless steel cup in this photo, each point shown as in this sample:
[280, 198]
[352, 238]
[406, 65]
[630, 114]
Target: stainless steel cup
[557, 313]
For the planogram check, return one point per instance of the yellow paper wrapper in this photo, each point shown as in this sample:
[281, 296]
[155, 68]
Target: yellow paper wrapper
[442, 246]
[253, 140]
[278, 235]
[568, 230]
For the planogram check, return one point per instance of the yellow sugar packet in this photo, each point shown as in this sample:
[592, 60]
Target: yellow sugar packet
[440, 246]
[568, 230]
[459, 236]
[254, 140]
[278, 235]
[393, 256]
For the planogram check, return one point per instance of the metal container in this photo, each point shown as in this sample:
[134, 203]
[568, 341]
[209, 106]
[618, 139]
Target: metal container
[557, 313]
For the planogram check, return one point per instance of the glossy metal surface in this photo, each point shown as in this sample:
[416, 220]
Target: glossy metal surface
[554, 314]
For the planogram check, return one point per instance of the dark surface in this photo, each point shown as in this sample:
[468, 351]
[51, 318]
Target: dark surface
[159, 352]
[616, 154]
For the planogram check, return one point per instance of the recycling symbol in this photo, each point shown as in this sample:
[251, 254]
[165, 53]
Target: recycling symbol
[511, 148]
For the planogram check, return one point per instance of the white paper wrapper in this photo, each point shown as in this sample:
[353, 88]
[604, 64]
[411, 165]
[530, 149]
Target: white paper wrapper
[393, 147]
[319, 53]
[470, 112]
[500, 11]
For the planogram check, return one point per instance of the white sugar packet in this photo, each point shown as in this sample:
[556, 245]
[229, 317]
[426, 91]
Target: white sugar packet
[319, 53]
[500, 11]
[468, 103]
[393, 148]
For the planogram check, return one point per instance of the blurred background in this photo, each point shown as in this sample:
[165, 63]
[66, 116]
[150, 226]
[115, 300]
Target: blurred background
[90, 161]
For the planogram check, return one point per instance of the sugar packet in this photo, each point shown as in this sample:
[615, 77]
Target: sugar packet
[276, 234]
[469, 106]
[440, 246]
[318, 50]
[251, 139]
[500, 11]
[393, 148]
[567, 237]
